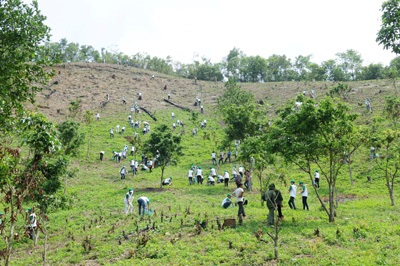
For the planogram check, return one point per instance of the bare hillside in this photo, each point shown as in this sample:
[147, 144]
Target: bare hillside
[91, 82]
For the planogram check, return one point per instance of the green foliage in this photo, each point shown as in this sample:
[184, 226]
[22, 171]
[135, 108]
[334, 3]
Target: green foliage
[341, 90]
[167, 144]
[388, 33]
[392, 109]
[70, 137]
[315, 134]
[22, 33]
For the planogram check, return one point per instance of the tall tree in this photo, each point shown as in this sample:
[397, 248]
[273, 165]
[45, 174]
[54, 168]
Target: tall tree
[168, 146]
[388, 34]
[22, 33]
[316, 135]
[350, 62]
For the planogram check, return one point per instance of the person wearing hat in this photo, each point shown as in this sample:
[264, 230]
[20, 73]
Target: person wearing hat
[292, 193]
[210, 180]
[32, 223]
[128, 201]
[143, 205]
[122, 172]
[304, 195]
[226, 178]
[190, 176]
[316, 178]
[270, 197]
[167, 181]
[227, 201]
[213, 172]
[199, 175]
[214, 157]
[1, 222]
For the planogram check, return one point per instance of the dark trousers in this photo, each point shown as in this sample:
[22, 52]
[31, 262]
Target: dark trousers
[241, 209]
[291, 203]
[199, 180]
[214, 161]
[316, 180]
[279, 207]
[226, 181]
[141, 206]
[221, 160]
[227, 204]
[305, 204]
[190, 180]
[101, 156]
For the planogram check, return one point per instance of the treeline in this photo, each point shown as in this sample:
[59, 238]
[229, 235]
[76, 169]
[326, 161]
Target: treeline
[347, 66]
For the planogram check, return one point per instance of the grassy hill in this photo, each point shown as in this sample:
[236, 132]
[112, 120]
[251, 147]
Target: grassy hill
[95, 230]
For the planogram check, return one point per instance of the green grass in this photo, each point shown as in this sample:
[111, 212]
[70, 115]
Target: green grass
[365, 232]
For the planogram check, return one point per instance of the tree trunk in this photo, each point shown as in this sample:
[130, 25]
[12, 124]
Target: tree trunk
[350, 172]
[9, 243]
[331, 203]
[162, 175]
[391, 195]
[45, 245]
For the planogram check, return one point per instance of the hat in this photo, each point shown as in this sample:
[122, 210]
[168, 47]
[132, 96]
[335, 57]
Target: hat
[292, 181]
[271, 186]
[170, 177]
[316, 170]
[301, 183]
[1, 213]
[130, 189]
[210, 167]
[149, 200]
[29, 210]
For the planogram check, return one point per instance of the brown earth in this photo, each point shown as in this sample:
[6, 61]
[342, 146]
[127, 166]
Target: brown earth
[90, 82]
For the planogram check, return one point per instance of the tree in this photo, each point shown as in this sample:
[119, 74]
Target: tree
[70, 137]
[168, 146]
[388, 34]
[22, 33]
[387, 161]
[392, 109]
[372, 71]
[315, 135]
[239, 112]
[341, 90]
[350, 62]
[89, 117]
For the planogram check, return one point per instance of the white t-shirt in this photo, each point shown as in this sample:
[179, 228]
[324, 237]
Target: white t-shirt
[241, 169]
[293, 191]
[316, 175]
[146, 199]
[213, 155]
[226, 175]
[199, 171]
[129, 197]
[32, 219]
[239, 191]
[225, 200]
[304, 191]
[213, 172]
[211, 179]
[190, 174]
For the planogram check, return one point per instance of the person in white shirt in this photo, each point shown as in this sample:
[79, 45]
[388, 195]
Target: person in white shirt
[227, 202]
[190, 176]
[226, 178]
[128, 201]
[292, 193]
[213, 158]
[316, 178]
[167, 182]
[32, 223]
[239, 193]
[211, 180]
[143, 205]
[213, 172]
[304, 195]
[122, 172]
[199, 175]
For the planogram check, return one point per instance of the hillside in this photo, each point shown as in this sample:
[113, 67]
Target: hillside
[185, 226]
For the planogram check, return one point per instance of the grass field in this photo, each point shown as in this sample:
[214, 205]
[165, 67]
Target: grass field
[95, 231]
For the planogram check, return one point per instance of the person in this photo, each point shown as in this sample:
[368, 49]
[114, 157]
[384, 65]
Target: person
[202, 109]
[167, 181]
[190, 176]
[199, 176]
[101, 155]
[143, 205]
[150, 165]
[32, 223]
[234, 173]
[279, 203]
[213, 158]
[270, 197]
[247, 182]
[213, 172]
[292, 192]
[239, 193]
[123, 100]
[1, 219]
[132, 150]
[238, 180]
[372, 153]
[227, 201]
[241, 170]
[122, 171]
[172, 115]
[128, 201]
[132, 165]
[221, 157]
[316, 178]
[304, 195]
[111, 133]
[226, 178]
[98, 116]
[211, 180]
[228, 156]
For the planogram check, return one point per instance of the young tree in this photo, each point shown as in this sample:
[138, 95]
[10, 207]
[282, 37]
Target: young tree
[392, 109]
[387, 162]
[315, 134]
[168, 146]
[70, 137]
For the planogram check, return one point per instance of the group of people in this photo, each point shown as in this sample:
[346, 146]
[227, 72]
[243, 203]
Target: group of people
[143, 203]
[274, 199]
